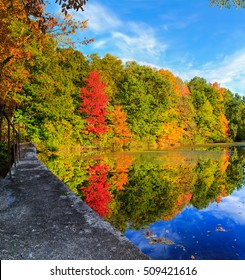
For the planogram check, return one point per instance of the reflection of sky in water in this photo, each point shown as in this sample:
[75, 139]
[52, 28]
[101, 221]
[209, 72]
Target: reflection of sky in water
[195, 234]
[232, 207]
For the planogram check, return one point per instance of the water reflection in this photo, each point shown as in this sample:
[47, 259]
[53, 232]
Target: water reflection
[179, 204]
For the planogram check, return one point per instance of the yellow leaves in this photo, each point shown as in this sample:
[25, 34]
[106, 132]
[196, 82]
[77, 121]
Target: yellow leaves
[219, 90]
[171, 134]
[119, 180]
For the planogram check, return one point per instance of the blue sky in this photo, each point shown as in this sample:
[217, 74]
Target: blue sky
[188, 37]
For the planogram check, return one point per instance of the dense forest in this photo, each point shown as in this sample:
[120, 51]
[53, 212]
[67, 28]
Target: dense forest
[63, 99]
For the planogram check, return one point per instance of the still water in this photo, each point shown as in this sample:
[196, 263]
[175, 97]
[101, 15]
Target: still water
[177, 204]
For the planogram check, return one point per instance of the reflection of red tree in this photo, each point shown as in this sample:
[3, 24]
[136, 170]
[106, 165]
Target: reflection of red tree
[97, 194]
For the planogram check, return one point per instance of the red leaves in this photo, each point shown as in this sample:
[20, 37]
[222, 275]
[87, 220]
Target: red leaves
[97, 194]
[94, 102]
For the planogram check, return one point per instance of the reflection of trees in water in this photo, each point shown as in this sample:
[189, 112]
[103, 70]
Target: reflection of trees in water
[96, 193]
[155, 192]
[143, 191]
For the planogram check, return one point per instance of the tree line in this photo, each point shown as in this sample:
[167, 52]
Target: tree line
[63, 98]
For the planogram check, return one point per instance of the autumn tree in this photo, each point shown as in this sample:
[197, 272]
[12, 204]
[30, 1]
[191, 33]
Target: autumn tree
[178, 118]
[94, 102]
[117, 125]
[24, 25]
[15, 36]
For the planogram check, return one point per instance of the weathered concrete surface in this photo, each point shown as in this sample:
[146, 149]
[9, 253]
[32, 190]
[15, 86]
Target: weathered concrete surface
[40, 218]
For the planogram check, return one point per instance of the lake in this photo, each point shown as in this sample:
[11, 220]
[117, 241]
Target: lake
[178, 204]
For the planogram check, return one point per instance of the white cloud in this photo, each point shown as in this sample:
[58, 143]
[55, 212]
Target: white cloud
[139, 41]
[229, 72]
[122, 38]
[101, 19]
[232, 207]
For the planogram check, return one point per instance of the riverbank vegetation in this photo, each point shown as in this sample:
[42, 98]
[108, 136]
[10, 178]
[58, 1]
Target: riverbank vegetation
[70, 100]
[65, 100]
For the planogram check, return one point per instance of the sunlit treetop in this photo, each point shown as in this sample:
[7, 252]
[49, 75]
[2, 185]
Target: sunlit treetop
[228, 3]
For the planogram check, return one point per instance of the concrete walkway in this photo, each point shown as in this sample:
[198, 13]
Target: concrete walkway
[40, 218]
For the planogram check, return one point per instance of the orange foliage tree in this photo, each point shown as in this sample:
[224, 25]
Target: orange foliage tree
[118, 127]
[24, 27]
[177, 118]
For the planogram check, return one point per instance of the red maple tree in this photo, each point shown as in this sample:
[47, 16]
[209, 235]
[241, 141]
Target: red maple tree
[94, 102]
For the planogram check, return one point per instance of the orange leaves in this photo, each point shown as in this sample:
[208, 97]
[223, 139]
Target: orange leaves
[119, 180]
[225, 130]
[16, 34]
[24, 25]
[120, 176]
[176, 83]
[222, 194]
[171, 134]
[219, 90]
[119, 126]
[184, 199]
[166, 74]
[224, 163]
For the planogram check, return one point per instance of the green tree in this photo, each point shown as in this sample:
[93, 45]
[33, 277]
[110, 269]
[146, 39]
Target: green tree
[48, 109]
[208, 102]
[144, 95]
[111, 70]
[234, 111]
